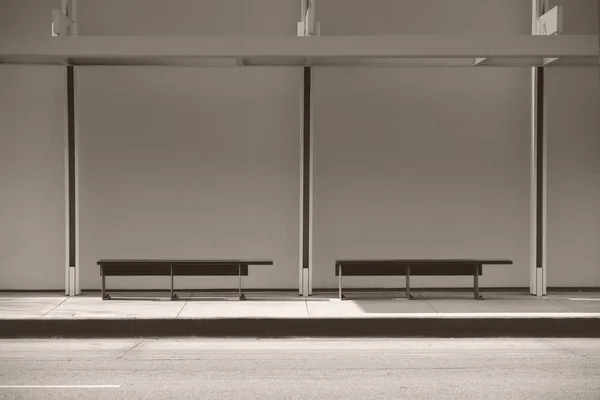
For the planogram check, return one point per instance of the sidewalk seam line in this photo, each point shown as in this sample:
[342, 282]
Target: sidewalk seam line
[184, 304]
[131, 349]
[58, 305]
[428, 303]
[569, 351]
[556, 306]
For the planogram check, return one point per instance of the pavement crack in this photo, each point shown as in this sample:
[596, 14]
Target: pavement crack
[558, 308]
[131, 349]
[423, 297]
[184, 304]
[566, 350]
[58, 305]
[307, 310]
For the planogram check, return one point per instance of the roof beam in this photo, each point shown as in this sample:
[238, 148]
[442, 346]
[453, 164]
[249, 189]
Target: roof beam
[322, 50]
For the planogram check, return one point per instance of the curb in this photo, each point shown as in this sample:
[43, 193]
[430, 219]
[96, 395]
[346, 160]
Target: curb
[580, 327]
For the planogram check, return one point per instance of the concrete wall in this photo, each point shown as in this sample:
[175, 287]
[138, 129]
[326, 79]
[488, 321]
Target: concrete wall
[229, 185]
[32, 209]
[424, 17]
[435, 163]
[573, 177]
[422, 162]
[574, 162]
[27, 17]
[189, 17]
[32, 176]
[196, 163]
[580, 16]
[189, 163]
[443, 166]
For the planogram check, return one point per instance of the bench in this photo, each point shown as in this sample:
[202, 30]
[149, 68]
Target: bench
[175, 268]
[417, 267]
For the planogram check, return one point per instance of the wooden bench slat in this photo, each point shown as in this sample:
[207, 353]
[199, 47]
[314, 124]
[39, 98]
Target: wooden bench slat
[425, 261]
[400, 270]
[137, 270]
[215, 263]
[209, 270]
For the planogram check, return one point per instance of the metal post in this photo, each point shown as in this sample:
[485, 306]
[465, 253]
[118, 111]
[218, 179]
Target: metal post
[308, 26]
[340, 282]
[408, 282]
[307, 11]
[306, 185]
[538, 168]
[240, 295]
[104, 295]
[173, 295]
[68, 13]
[73, 16]
[476, 283]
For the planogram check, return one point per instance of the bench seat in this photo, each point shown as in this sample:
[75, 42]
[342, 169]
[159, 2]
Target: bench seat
[415, 267]
[173, 267]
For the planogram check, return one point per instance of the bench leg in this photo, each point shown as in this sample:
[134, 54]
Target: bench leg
[173, 294]
[341, 296]
[105, 296]
[408, 296]
[476, 283]
[240, 294]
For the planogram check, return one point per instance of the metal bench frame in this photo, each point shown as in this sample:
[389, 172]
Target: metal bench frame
[177, 268]
[449, 267]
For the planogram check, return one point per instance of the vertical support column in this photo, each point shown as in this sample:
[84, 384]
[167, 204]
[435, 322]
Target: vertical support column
[306, 189]
[538, 169]
[311, 185]
[71, 185]
[72, 14]
[64, 20]
[72, 286]
[302, 279]
[307, 27]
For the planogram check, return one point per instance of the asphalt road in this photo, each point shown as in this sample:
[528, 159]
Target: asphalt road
[301, 369]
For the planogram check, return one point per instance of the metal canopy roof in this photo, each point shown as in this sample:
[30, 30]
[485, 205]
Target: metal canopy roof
[207, 51]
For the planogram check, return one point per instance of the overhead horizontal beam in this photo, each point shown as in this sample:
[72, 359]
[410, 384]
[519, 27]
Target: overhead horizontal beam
[291, 46]
[294, 51]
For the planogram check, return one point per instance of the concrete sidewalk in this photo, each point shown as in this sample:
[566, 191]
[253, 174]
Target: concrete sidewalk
[431, 314]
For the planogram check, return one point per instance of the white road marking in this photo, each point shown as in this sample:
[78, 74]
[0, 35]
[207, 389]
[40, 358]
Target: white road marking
[57, 386]
[586, 299]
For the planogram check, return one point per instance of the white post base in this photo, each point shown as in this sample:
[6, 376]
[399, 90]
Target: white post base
[305, 282]
[72, 286]
[539, 290]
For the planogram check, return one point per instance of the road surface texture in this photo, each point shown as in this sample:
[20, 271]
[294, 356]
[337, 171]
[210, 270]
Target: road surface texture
[304, 369]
